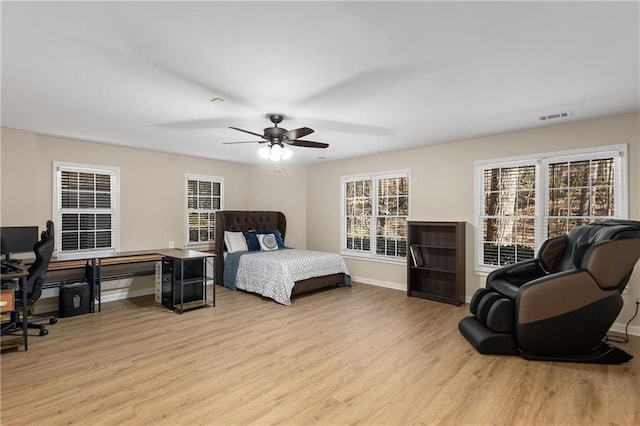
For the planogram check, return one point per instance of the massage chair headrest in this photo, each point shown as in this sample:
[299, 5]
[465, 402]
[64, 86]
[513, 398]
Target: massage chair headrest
[579, 239]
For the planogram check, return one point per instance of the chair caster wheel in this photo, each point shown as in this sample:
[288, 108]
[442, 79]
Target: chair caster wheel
[44, 331]
[53, 320]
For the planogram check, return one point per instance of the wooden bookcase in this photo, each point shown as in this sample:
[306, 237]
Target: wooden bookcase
[436, 261]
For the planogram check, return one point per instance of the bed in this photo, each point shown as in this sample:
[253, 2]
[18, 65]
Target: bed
[265, 221]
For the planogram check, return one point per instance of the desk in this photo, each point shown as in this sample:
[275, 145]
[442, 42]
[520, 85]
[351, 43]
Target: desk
[110, 266]
[123, 264]
[119, 265]
[21, 276]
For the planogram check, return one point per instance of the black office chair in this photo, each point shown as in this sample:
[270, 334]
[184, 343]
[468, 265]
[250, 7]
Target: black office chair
[43, 250]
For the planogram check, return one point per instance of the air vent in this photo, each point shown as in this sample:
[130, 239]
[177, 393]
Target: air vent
[554, 116]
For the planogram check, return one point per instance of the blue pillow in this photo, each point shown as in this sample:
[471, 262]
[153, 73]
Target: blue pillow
[252, 239]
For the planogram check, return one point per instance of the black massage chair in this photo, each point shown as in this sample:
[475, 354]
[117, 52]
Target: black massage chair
[560, 305]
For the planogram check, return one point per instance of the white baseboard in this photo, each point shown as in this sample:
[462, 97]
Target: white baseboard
[379, 283]
[618, 327]
[49, 303]
[125, 293]
[119, 294]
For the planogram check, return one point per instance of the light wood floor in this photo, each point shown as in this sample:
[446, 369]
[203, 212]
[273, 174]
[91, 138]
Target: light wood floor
[361, 355]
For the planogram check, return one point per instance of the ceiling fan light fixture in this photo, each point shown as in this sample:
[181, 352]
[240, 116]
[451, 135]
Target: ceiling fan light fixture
[276, 153]
[286, 153]
[264, 152]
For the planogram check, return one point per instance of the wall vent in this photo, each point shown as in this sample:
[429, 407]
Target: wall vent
[555, 116]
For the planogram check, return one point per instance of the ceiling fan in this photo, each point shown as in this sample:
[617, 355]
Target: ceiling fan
[278, 136]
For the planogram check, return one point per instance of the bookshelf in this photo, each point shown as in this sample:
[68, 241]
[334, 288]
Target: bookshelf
[436, 261]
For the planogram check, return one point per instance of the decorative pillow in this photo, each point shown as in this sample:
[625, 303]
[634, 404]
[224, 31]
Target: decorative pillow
[235, 241]
[278, 236]
[268, 242]
[252, 238]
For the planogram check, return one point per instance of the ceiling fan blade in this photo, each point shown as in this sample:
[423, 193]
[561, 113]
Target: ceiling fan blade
[246, 131]
[309, 144]
[298, 133]
[229, 143]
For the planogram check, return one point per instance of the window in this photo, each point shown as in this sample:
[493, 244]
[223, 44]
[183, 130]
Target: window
[204, 197]
[374, 215]
[508, 220]
[523, 202]
[580, 192]
[85, 207]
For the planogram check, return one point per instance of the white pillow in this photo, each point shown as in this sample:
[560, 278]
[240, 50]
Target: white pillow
[235, 241]
[267, 242]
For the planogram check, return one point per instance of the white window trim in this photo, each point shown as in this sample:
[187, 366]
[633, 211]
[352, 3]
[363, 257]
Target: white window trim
[371, 255]
[55, 210]
[199, 177]
[618, 151]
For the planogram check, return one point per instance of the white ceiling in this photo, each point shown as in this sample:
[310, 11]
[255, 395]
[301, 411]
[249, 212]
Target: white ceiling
[369, 77]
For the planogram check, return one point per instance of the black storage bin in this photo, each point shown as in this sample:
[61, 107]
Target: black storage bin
[75, 299]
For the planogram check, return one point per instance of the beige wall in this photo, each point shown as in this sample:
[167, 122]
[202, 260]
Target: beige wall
[442, 187]
[18, 179]
[283, 189]
[151, 187]
[151, 191]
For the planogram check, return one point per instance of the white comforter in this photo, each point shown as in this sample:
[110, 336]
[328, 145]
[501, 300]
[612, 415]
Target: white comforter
[273, 273]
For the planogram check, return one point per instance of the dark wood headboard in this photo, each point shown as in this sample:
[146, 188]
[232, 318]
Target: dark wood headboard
[243, 220]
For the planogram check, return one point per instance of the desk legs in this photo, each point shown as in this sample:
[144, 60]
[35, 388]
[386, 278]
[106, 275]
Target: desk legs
[25, 312]
[93, 276]
[181, 286]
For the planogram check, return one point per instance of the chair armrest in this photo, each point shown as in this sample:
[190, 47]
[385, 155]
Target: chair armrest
[557, 294]
[518, 273]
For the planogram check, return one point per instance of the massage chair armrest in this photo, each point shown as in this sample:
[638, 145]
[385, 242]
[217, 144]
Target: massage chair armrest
[566, 312]
[557, 294]
[518, 273]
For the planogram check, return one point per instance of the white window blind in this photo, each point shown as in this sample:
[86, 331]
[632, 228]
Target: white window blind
[85, 208]
[521, 203]
[509, 217]
[580, 192]
[358, 214]
[204, 197]
[374, 214]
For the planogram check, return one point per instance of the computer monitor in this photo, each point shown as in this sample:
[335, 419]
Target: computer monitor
[17, 239]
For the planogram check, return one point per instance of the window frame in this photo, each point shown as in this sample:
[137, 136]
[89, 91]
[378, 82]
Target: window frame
[57, 210]
[200, 178]
[541, 161]
[375, 179]
[528, 162]
[620, 203]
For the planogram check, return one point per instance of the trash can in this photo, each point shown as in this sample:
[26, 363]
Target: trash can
[74, 299]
